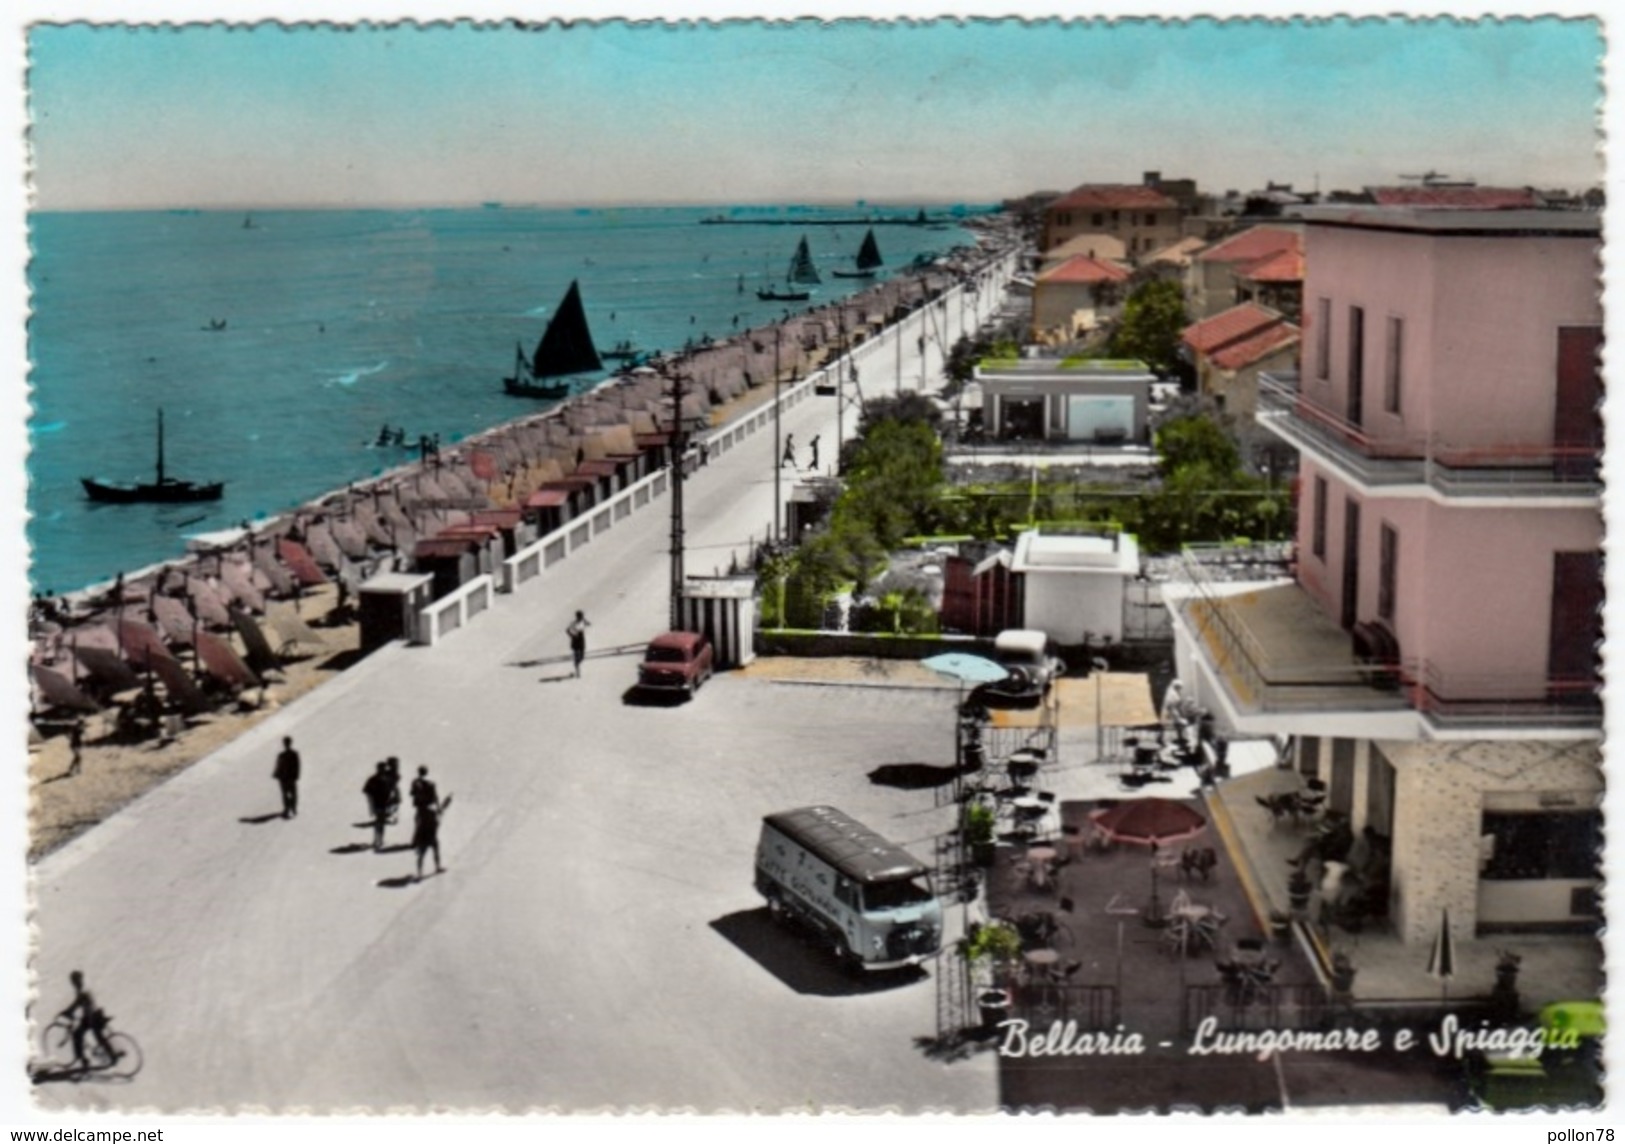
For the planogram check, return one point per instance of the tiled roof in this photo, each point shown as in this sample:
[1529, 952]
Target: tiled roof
[1089, 245]
[1237, 355]
[1177, 253]
[1113, 196]
[1252, 244]
[1455, 198]
[1084, 270]
[1283, 266]
[1230, 325]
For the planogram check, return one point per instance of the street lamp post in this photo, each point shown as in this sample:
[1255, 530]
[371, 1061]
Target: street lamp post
[679, 444]
[778, 447]
[1098, 666]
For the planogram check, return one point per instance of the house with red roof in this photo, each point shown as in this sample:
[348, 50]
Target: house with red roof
[1077, 296]
[1221, 276]
[1140, 215]
[1231, 348]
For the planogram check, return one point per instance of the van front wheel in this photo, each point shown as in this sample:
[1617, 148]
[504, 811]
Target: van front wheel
[776, 909]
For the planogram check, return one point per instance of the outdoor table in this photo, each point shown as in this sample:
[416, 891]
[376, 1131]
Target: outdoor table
[1042, 959]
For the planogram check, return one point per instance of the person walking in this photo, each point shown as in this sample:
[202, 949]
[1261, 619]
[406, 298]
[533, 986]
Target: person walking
[789, 451]
[426, 824]
[577, 631]
[286, 773]
[378, 788]
[76, 744]
[813, 446]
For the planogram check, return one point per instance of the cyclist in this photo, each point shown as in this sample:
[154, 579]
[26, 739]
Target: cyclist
[88, 1020]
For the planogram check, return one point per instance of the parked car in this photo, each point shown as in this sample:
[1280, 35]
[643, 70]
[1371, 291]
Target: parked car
[676, 661]
[1032, 653]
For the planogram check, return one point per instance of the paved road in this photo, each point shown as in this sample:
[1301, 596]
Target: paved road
[595, 942]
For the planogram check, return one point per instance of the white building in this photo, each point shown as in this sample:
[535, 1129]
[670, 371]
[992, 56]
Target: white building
[1075, 585]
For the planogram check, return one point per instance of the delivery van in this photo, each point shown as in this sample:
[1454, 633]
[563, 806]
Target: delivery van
[867, 899]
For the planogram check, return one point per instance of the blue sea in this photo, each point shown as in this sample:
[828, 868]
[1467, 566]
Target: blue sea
[335, 324]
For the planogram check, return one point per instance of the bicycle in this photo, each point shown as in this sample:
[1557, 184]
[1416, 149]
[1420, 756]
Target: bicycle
[57, 1060]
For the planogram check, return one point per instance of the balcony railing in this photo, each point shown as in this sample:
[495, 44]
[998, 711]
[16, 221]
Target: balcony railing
[1308, 663]
[1462, 468]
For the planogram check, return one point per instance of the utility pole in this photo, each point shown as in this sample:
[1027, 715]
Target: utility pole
[778, 447]
[840, 391]
[679, 446]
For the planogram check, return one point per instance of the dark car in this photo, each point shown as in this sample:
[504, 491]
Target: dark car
[676, 661]
[1018, 690]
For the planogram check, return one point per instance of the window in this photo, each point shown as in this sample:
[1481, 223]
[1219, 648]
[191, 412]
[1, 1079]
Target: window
[1356, 378]
[1387, 574]
[1320, 518]
[1518, 846]
[1323, 338]
[1150, 220]
[1395, 370]
[1097, 219]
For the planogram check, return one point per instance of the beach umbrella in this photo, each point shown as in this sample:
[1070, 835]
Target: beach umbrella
[1442, 959]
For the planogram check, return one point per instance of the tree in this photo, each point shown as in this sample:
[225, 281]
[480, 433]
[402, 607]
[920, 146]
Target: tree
[1153, 318]
[1188, 442]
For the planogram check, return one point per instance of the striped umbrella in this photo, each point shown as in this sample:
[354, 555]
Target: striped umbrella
[1442, 961]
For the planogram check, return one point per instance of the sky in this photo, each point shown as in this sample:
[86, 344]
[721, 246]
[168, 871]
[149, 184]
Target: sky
[841, 111]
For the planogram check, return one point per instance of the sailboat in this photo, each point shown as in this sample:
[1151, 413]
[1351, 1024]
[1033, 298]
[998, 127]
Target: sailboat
[165, 490]
[566, 348]
[802, 273]
[868, 260]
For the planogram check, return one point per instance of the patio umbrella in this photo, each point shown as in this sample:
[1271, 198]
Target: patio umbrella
[1149, 822]
[1442, 961]
[966, 668]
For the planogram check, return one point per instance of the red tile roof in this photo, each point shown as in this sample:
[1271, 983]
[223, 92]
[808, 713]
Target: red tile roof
[1283, 266]
[1231, 325]
[1113, 196]
[1237, 355]
[1455, 198]
[1084, 269]
[1252, 245]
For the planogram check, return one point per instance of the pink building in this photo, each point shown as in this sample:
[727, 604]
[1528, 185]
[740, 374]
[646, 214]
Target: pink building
[1435, 656]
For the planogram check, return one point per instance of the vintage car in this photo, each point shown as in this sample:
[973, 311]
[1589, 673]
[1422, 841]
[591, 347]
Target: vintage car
[676, 661]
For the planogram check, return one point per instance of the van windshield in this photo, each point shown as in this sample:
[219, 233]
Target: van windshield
[891, 895]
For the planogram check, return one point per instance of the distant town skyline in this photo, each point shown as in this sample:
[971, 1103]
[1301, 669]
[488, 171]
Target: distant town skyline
[642, 114]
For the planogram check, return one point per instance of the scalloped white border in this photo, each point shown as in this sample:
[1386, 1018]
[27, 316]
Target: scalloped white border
[15, 1108]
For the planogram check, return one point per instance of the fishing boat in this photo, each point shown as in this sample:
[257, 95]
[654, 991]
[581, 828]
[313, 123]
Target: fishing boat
[802, 273]
[867, 261]
[164, 490]
[566, 348]
[621, 351]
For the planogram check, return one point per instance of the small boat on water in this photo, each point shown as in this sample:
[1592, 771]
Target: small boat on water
[164, 490]
[566, 348]
[867, 261]
[621, 351]
[802, 273]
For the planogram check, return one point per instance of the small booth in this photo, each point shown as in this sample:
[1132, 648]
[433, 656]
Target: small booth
[451, 561]
[581, 493]
[656, 450]
[548, 510]
[516, 532]
[389, 606]
[606, 475]
[723, 608]
[489, 538]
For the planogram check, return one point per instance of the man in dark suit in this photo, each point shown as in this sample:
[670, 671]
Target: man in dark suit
[286, 773]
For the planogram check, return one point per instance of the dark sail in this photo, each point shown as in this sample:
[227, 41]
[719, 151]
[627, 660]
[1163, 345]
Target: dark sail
[869, 253]
[802, 270]
[566, 347]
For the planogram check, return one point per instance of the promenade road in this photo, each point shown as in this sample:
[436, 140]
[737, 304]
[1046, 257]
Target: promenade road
[596, 941]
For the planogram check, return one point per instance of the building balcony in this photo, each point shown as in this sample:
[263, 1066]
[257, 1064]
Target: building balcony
[1417, 463]
[1273, 662]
